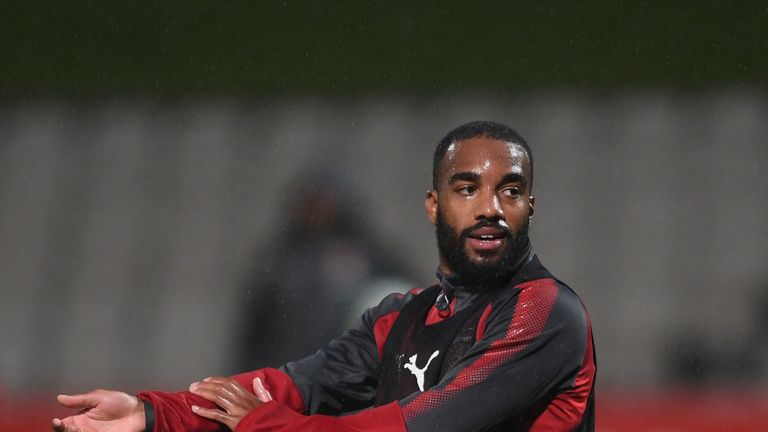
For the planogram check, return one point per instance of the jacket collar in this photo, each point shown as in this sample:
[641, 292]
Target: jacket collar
[453, 286]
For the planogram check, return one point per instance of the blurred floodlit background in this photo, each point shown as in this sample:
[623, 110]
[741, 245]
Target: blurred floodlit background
[191, 188]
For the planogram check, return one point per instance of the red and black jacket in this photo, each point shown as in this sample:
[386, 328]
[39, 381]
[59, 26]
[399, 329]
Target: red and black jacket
[516, 358]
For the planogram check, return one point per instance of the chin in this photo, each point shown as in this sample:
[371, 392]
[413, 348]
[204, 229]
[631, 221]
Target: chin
[491, 258]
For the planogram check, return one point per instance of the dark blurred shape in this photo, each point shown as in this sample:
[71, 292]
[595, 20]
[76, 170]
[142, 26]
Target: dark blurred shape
[317, 274]
[693, 359]
[690, 360]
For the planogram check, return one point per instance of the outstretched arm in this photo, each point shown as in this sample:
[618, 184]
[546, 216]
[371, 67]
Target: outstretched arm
[235, 403]
[115, 411]
[173, 411]
[340, 377]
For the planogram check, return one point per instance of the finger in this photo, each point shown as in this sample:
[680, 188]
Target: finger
[218, 379]
[214, 393]
[230, 384]
[218, 382]
[238, 390]
[87, 400]
[57, 425]
[260, 391]
[215, 414]
[64, 425]
[211, 387]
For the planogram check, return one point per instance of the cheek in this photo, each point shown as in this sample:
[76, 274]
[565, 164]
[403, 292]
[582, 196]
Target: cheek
[456, 215]
[517, 214]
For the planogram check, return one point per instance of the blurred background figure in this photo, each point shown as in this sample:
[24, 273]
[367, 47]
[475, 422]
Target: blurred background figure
[315, 276]
[692, 359]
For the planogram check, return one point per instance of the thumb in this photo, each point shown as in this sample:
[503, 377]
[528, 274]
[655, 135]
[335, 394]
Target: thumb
[81, 401]
[260, 391]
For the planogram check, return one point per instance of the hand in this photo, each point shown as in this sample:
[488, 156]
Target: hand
[231, 397]
[101, 411]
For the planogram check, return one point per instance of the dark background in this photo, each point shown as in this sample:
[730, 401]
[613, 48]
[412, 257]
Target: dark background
[106, 48]
[157, 158]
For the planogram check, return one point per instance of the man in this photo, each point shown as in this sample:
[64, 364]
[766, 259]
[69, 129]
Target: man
[497, 344]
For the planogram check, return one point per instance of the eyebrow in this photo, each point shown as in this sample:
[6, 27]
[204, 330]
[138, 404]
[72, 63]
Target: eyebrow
[473, 177]
[463, 176]
[514, 178]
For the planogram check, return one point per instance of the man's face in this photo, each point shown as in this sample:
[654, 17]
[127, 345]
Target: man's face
[481, 209]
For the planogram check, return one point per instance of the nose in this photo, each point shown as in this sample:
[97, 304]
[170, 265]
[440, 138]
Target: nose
[489, 207]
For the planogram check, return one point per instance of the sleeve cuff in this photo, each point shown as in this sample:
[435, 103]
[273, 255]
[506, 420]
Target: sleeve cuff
[149, 416]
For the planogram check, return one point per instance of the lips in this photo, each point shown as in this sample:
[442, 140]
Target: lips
[486, 238]
[488, 233]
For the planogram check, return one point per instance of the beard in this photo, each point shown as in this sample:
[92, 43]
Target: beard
[488, 271]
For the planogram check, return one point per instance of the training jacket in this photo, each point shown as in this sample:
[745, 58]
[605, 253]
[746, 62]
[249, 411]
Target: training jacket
[529, 365]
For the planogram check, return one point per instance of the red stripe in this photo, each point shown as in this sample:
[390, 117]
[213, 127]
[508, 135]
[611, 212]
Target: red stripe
[533, 307]
[481, 322]
[416, 291]
[383, 324]
[381, 329]
[567, 409]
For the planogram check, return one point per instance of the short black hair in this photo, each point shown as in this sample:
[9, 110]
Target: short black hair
[483, 128]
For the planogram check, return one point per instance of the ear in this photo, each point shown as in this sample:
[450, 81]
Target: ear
[531, 202]
[430, 204]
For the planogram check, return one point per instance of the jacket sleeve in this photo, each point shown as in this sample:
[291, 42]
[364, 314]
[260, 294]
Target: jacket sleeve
[340, 377]
[533, 368]
[276, 417]
[343, 376]
[173, 412]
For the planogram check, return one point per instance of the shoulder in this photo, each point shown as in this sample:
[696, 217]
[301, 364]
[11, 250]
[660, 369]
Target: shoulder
[553, 295]
[538, 289]
[544, 305]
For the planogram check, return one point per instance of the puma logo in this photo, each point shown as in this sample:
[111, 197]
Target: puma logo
[419, 373]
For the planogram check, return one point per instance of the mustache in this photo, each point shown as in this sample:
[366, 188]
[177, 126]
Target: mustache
[486, 224]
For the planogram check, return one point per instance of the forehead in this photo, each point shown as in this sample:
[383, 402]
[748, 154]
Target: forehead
[482, 155]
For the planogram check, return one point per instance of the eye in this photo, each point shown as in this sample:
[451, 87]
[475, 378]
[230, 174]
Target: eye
[466, 189]
[511, 192]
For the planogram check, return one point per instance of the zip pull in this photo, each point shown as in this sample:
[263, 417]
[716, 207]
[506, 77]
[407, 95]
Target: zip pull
[443, 305]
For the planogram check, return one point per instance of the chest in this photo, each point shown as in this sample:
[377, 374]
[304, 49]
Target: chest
[416, 356]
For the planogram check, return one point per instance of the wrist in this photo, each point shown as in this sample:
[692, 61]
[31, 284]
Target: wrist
[137, 417]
